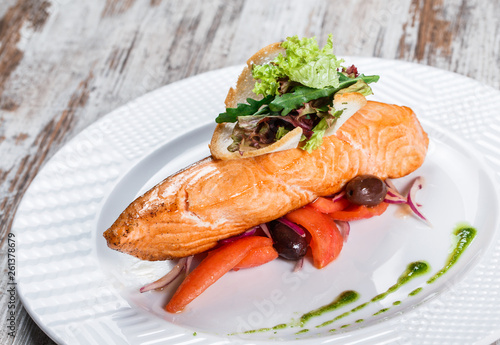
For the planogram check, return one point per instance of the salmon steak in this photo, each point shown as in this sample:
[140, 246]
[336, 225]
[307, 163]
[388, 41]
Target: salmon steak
[190, 211]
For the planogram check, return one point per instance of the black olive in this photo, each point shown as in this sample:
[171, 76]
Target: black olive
[366, 190]
[287, 242]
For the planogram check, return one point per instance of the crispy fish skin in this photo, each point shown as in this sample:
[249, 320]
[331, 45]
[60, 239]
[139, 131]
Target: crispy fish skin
[211, 200]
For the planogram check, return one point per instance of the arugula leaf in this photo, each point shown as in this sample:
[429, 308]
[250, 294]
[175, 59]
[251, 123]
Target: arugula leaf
[302, 94]
[243, 109]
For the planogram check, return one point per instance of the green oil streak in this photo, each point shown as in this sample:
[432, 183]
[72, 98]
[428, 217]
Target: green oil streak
[359, 307]
[280, 326]
[258, 330]
[267, 329]
[305, 330]
[464, 235]
[343, 299]
[414, 292]
[381, 311]
[413, 270]
[341, 316]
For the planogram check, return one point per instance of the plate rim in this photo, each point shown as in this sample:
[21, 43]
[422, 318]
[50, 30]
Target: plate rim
[134, 162]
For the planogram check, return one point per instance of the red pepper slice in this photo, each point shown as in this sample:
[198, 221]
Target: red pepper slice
[326, 240]
[357, 212]
[214, 266]
[326, 205]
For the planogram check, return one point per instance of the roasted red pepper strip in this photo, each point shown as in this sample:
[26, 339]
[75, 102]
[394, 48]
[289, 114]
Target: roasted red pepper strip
[326, 205]
[256, 257]
[214, 266]
[356, 212]
[326, 240]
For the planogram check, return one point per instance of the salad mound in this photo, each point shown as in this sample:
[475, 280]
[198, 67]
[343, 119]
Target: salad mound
[296, 89]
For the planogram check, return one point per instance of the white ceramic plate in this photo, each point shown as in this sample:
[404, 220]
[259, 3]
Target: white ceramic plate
[81, 292]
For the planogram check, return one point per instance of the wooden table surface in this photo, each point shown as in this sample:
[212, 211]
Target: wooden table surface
[65, 63]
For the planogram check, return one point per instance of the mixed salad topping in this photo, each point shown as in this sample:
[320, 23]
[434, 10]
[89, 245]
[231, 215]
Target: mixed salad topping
[294, 90]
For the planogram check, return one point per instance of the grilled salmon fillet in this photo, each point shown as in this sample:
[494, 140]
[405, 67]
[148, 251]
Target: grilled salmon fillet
[190, 211]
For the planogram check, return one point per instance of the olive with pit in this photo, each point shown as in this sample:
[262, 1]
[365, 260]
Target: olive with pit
[368, 190]
[287, 242]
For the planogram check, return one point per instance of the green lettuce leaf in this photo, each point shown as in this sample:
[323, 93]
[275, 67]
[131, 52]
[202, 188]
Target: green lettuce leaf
[316, 139]
[308, 65]
[360, 87]
[268, 76]
[303, 62]
[282, 131]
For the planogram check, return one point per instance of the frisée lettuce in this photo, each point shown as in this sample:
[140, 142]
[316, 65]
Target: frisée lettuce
[304, 63]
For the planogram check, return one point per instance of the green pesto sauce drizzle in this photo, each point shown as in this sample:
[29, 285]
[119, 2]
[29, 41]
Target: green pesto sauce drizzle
[413, 270]
[415, 292]
[464, 234]
[343, 299]
[381, 311]
[305, 330]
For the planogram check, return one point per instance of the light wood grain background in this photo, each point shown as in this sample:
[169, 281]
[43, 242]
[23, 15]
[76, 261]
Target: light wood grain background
[66, 63]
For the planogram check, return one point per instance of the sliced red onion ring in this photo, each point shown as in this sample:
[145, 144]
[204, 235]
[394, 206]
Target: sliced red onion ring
[338, 196]
[417, 184]
[247, 233]
[265, 228]
[298, 265]
[392, 190]
[392, 198]
[292, 226]
[344, 228]
[167, 278]
[189, 261]
[390, 184]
